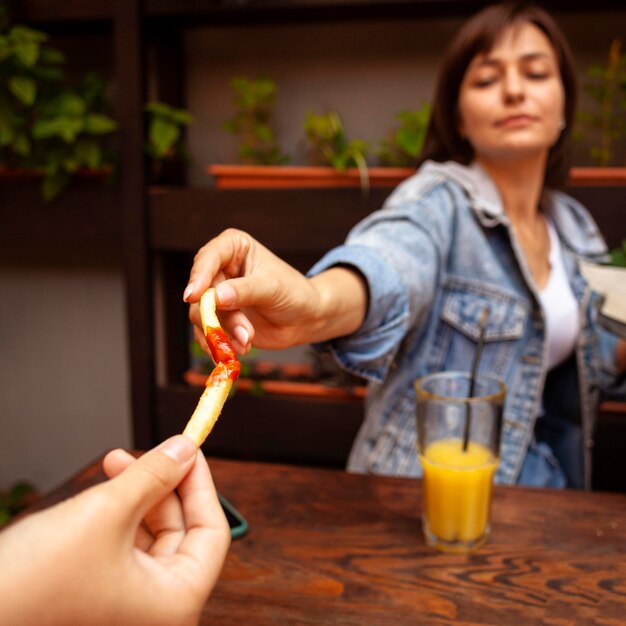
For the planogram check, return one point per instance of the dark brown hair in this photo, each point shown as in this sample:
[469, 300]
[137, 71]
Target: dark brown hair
[478, 35]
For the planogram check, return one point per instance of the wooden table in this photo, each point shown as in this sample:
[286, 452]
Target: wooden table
[327, 547]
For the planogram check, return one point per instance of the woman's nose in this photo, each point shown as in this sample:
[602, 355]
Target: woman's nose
[513, 87]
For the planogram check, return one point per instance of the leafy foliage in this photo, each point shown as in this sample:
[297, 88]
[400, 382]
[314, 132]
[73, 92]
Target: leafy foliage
[165, 132]
[606, 86]
[330, 144]
[44, 123]
[407, 140]
[254, 104]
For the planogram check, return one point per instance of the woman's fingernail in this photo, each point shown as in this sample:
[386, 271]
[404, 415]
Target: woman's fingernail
[241, 335]
[179, 448]
[188, 291]
[225, 294]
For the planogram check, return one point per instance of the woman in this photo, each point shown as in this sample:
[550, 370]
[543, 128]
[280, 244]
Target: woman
[480, 225]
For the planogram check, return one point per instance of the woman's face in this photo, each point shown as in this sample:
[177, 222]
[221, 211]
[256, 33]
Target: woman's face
[511, 100]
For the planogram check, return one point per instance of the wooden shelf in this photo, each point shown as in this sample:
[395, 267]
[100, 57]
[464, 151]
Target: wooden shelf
[607, 205]
[608, 452]
[287, 221]
[310, 221]
[85, 219]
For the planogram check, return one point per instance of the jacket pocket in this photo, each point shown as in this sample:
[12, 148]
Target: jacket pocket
[465, 300]
[458, 331]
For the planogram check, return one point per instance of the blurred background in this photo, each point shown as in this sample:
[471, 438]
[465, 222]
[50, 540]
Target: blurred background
[94, 343]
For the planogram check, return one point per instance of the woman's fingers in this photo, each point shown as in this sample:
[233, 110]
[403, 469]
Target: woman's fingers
[227, 252]
[239, 329]
[236, 324]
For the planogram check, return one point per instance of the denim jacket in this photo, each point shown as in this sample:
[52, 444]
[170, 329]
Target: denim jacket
[439, 250]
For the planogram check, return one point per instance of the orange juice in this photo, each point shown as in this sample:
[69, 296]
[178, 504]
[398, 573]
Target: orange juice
[457, 491]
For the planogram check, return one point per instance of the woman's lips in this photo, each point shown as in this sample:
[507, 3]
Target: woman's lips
[515, 120]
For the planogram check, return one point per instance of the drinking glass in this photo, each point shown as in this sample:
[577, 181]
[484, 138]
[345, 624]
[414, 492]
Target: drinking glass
[458, 442]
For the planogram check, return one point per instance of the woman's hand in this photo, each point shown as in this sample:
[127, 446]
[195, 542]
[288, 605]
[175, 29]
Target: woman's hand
[265, 301]
[128, 551]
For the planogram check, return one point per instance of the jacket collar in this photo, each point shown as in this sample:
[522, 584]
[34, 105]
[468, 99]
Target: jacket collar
[484, 196]
[572, 221]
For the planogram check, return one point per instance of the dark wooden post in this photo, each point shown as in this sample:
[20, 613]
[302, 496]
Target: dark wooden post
[140, 322]
[167, 71]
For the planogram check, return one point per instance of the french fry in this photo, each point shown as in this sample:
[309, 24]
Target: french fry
[207, 312]
[221, 379]
[209, 405]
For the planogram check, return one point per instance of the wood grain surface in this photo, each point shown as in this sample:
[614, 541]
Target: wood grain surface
[328, 547]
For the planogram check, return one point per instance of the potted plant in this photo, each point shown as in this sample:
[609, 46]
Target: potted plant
[601, 129]
[254, 103]
[165, 144]
[330, 146]
[340, 162]
[259, 150]
[48, 128]
[404, 145]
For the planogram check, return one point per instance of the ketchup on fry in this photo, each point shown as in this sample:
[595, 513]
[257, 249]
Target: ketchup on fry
[222, 351]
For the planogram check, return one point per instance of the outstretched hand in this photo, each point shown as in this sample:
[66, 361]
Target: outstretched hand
[262, 300]
[128, 551]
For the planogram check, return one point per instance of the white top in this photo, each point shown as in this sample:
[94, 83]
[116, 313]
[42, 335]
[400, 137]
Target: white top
[559, 306]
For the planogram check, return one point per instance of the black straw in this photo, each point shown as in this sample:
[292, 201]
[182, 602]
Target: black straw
[482, 325]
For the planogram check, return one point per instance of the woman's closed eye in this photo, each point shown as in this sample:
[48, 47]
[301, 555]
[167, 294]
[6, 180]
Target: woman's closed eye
[537, 69]
[485, 80]
[537, 73]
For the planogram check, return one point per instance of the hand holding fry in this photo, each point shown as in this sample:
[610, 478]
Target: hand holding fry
[145, 547]
[265, 302]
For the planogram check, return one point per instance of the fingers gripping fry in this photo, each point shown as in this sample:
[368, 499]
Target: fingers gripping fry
[219, 383]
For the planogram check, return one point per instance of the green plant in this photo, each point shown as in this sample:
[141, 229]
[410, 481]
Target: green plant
[405, 144]
[618, 255]
[165, 133]
[254, 103]
[606, 85]
[46, 124]
[19, 496]
[330, 144]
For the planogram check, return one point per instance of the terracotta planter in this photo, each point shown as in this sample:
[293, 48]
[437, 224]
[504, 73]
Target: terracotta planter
[285, 387]
[289, 176]
[600, 176]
